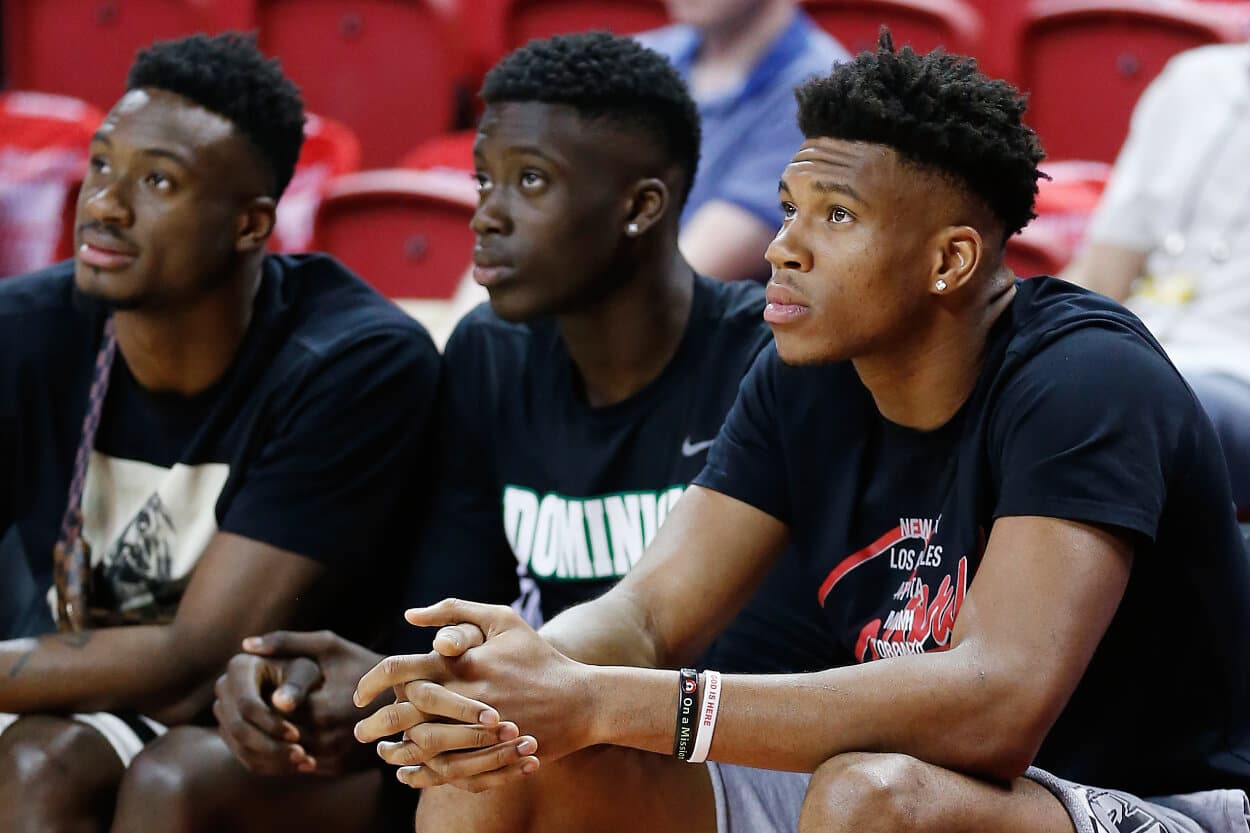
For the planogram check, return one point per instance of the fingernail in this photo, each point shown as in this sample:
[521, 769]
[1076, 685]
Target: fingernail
[298, 754]
[529, 767]
[292, 734]
[508, 731]
[488, 717]
[356, 700]
[253, 643]
[527, 747]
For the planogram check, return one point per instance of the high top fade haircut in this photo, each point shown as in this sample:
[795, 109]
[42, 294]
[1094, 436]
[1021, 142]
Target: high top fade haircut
[227, 75]
[609, 78]
[938, 112]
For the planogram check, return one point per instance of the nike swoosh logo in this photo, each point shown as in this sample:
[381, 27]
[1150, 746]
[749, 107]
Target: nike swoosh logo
[689, 449]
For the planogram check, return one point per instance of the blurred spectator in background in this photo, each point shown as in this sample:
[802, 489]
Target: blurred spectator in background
[1170, 236]
[742, 60]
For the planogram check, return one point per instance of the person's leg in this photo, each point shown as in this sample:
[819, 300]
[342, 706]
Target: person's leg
[56, 775]
[1227, 401]
[189, 781]
[605, 789]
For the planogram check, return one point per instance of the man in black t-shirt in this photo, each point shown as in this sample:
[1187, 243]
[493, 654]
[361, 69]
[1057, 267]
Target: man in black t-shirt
[231, 434]
[580, 403]
[1008, 504]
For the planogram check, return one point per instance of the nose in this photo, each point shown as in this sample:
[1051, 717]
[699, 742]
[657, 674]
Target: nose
[787, 251]
[491, 216]
[107, 204]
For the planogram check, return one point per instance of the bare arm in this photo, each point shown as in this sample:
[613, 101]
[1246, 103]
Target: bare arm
[695, 576]
[722, 240]
[984, 707]
[240, 587]
[1107, 268]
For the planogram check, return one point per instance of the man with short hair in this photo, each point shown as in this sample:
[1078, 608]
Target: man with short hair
[580, 403]
[1010, 507]
[197, 441]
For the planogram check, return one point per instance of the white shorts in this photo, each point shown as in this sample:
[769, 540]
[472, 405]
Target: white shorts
[127, 733]
[766, 801]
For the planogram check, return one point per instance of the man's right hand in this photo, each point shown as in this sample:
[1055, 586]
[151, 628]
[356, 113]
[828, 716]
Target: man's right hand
[285, 706]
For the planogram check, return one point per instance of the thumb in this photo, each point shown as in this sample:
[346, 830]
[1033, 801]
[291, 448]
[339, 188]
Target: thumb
[455, 640]
[302, 676]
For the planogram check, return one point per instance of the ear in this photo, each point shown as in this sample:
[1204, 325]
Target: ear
[254, 224]
[957, 254]
[649, 201]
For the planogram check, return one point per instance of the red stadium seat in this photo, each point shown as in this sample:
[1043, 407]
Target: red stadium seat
[406, 232]
[389, 69]
[43, 154]
[924, 24]
[84, 48]
[1067, 200]
[330, 149]
[1036, 251]
[503, 25]
[1084, 65]
[449, 152]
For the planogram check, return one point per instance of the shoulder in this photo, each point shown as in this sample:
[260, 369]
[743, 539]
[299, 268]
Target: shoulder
[40, 315]
[1215, 62]
[336, 317]
[482, 336]
[670, 41]
[37, 293]
[731, 314]
[1087, 353]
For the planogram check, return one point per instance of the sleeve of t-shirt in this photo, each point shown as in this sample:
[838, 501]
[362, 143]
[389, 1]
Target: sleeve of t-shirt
[1087, 430]
[463, 552]
[331, 476]
[746, 462]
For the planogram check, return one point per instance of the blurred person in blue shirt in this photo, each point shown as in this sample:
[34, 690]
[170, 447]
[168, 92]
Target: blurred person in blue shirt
[742, 60]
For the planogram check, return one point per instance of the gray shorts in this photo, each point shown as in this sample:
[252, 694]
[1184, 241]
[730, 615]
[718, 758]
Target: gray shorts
[766, 801]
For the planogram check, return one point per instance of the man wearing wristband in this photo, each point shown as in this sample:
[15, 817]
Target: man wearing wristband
[1012, 510]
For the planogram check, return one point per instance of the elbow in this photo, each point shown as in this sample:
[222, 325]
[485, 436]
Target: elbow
[194, 664]
[1007, 722]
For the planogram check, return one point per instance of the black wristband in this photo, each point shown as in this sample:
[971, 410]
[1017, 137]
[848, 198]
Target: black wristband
[687, 711]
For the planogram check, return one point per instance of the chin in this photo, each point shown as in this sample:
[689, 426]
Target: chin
[110, 288]
[801, 352]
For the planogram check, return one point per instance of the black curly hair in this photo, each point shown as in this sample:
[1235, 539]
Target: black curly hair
[228, 75]
[937, 111]
[603, 76]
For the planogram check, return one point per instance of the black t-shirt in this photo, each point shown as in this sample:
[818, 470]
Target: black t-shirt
[307, 443]
[547, 502]
[1077, 414]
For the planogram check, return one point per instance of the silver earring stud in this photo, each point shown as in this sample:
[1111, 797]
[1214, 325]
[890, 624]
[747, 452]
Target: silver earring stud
[940, 285]
[632, 228]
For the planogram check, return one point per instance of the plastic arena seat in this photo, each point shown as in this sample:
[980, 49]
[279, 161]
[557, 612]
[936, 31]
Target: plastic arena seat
[84, 48]
[330, 149]
[448, 152]
[922, 24]
[1084, 64]
[389, 69]
[1036, 251]
[43, 155]
[406, 232]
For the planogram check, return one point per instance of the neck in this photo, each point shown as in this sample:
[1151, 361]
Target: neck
[922, 384]
[729, 50]
[185, 350]
[625, 341]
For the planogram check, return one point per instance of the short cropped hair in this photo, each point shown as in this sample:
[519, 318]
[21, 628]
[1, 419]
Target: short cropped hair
[228, 75]
[603, 76]
[937, 111]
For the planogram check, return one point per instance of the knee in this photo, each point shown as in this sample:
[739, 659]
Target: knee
[864, 793]
[42, 756]
[169, 774]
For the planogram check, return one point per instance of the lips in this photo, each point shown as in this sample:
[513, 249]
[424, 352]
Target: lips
[785, 306]
[489, 270]
[104, 251]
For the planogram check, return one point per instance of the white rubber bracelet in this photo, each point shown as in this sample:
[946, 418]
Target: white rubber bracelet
[707, 717]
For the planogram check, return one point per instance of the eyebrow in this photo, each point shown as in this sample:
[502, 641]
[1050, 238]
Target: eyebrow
[162, 153]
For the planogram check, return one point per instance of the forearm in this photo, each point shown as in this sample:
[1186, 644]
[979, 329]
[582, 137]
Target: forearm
[611, 630]
[939, 708]
[141, 667]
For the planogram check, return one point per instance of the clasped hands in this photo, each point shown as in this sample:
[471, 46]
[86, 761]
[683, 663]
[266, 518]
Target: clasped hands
[461, 708]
